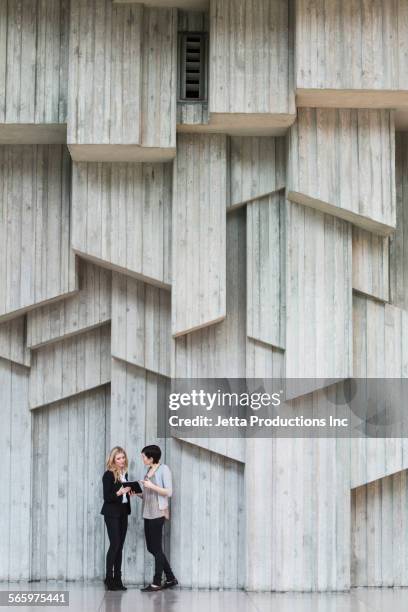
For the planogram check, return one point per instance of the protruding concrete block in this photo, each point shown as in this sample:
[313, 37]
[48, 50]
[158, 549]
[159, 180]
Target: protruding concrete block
[371, 264]
[380, 339]
[379, 514]
[33, 71]
[37, 264]
[199, 232]
[266, 269]
[380, 335]
[258, 168]
[318, 295]
[399, 240]
[219, 350]
[342, 162]
[249, 46]
[351, 54]
[13, 342]
[64, 434]
[16, 445]
[122, 82]
[141, 324]
[69, 367]
[121, 218]
[89, 308]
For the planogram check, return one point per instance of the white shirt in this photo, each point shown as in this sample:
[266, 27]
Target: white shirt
[124, 498]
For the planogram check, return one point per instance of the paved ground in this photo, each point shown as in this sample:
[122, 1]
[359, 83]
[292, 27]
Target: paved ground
[91, 597]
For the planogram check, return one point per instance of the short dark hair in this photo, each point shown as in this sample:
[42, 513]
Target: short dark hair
[152, 452]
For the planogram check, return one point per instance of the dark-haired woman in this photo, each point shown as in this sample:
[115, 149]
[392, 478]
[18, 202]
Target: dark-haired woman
[157, 488]
[115, 509]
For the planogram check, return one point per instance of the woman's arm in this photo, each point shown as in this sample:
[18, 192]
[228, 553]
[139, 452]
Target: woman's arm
[160, 490]
[167, 490]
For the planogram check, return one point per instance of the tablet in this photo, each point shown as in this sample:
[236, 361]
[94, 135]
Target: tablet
[134, 485]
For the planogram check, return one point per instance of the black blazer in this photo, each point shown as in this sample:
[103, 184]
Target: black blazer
[113, 504]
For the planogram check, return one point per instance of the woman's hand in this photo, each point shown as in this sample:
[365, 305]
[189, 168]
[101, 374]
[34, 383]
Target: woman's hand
[123, 490]
[148, 484]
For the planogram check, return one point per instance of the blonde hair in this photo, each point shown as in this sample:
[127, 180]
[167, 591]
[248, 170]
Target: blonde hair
[110, 462]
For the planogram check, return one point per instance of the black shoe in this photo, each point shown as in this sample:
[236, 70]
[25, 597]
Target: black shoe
[110, 584]
[170, 583]
[119, 584]
[151, 589]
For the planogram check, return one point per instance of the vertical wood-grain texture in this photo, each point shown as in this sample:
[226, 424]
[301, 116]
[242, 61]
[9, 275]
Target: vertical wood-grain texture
[266, 269]
[398, 241]
[352, 46]
[318, 294]
[379, 535]
[121, 217]
[219, 350]
[36, 263]
[69, 446]
[303, 542]
[90, 308]
[257, 167]
[199, 232]
[380, 335]
[33, 66]
[15, 443]
[371, 263]
[342, 161]
[258, 52]
[69, 367]
[141, 324]
[13, 341]
[122, 80]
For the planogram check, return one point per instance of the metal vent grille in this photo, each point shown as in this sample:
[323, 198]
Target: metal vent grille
[193, 66]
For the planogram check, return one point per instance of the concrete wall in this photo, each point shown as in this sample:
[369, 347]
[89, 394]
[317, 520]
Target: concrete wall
[261, 241]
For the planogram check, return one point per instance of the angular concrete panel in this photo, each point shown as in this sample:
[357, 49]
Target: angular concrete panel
[199, 232]
[237, 103]
[398, 241]
[371, 264]
[380, 336]
[362, 65]
[266, 269]
[70, 367]
[219, 350]
[141, 324]
[379, 534]
[37, 264]
[13, 341]
[89, 308]
[121, 217]
[33, 71]
[257, 168]
[342, 162]
[15, 442]
[318, 295]
[122, 82]
[67, 537]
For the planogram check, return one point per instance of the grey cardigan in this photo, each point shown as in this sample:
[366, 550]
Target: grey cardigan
[163, 479]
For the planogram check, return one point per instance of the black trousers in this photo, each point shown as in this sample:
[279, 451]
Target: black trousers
[116, 528]
[153, 529]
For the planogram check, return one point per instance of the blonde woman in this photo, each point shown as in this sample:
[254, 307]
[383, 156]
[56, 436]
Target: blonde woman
[115, 509]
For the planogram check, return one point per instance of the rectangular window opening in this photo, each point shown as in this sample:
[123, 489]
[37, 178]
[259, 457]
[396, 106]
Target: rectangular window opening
[193, 49]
